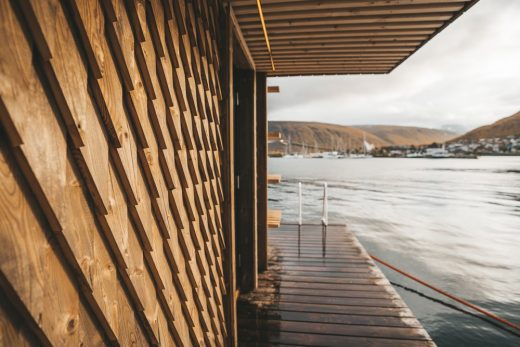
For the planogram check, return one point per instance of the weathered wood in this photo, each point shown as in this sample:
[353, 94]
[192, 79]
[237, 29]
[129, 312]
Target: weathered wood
[31, 271]
[274, 179]
[242, 41]
[246, 173]
[261, 171]
[296, 29]
[228, 175]
[123, 178]
[274, 218]
[319, 301]
[13, 330]
[305, 339]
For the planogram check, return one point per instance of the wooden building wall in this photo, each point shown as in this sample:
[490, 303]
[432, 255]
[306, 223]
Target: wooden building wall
[111, 183]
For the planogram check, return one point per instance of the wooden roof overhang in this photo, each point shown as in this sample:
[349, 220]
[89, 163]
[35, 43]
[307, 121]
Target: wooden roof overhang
[321, 37]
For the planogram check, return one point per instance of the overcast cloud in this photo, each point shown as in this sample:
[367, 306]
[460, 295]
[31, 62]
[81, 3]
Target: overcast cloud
[468, 75]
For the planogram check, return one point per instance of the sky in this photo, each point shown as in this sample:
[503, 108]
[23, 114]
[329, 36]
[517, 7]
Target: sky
[466, 76]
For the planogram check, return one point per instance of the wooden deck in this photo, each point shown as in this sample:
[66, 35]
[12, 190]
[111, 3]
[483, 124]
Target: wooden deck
[322, 289]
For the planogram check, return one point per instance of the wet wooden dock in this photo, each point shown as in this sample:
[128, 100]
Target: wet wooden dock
[322, 289]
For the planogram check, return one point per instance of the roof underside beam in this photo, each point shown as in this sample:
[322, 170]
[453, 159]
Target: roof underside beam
[341, 36]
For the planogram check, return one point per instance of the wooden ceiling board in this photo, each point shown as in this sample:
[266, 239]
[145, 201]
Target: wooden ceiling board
[315, 37]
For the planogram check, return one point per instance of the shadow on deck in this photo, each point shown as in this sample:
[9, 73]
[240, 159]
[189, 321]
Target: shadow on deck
[322, 289]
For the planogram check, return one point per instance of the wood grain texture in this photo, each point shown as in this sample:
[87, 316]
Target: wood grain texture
[309, 31]
[33, 272]
[322, 302]
[115, 179]
[262, 177]
[246, 191]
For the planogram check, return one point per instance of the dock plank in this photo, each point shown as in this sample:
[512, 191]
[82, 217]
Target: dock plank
[322, 289]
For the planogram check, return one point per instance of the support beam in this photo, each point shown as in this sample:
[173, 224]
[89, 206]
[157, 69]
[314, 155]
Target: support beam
[245, 162]
[261, 169]
[228, 179]
[241, 40]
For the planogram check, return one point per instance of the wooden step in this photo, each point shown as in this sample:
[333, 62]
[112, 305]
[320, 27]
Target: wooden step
[274, 179]
[273, 136]
[274, 218]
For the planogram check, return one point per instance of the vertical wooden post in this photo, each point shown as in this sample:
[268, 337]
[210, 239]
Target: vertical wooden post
[246, 198]
[228, 179]
[261, 153]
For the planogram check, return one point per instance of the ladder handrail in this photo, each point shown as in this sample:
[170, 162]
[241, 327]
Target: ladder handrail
[325, 213]
[300, 203]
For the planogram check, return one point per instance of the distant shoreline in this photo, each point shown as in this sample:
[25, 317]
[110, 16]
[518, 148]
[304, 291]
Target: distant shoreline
[384, 157]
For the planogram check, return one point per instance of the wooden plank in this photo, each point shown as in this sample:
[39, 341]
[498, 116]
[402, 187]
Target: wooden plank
[326, 318]
[40, 283]
[55, 184]
[296, 28]
[274, 135]
[345, 34]
[248, 6]
[356, 28]
[325, 279]
[326, 13]
[104, 96]
[13, 329]
[316, 300]
[329, 292]
[348, 310]
[274, 218]
[195, 195]
[341, 20]
[246, 172]
[398, 333]
[274, 179]
[325, 39]
[339, 45]
[228, 175]
[241, 40]
[305, 339]
[261, 169]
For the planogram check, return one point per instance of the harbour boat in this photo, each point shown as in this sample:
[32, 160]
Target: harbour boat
[293, 156]
[437, 153]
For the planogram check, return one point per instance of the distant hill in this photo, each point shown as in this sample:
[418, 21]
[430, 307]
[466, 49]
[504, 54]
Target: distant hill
[401, 135]
[332, 136]
[502, 128]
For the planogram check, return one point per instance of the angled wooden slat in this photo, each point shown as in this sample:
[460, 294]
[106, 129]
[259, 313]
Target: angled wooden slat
[56, 186]
[47, 317]
[194, 90]
[134, 117]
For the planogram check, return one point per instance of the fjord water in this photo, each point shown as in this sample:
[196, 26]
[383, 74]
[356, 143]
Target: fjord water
[452, 222]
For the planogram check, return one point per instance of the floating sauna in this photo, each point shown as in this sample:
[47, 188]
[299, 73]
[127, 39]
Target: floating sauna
[133, 166]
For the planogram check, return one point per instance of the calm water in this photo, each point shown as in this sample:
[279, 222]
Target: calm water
[452, 222]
